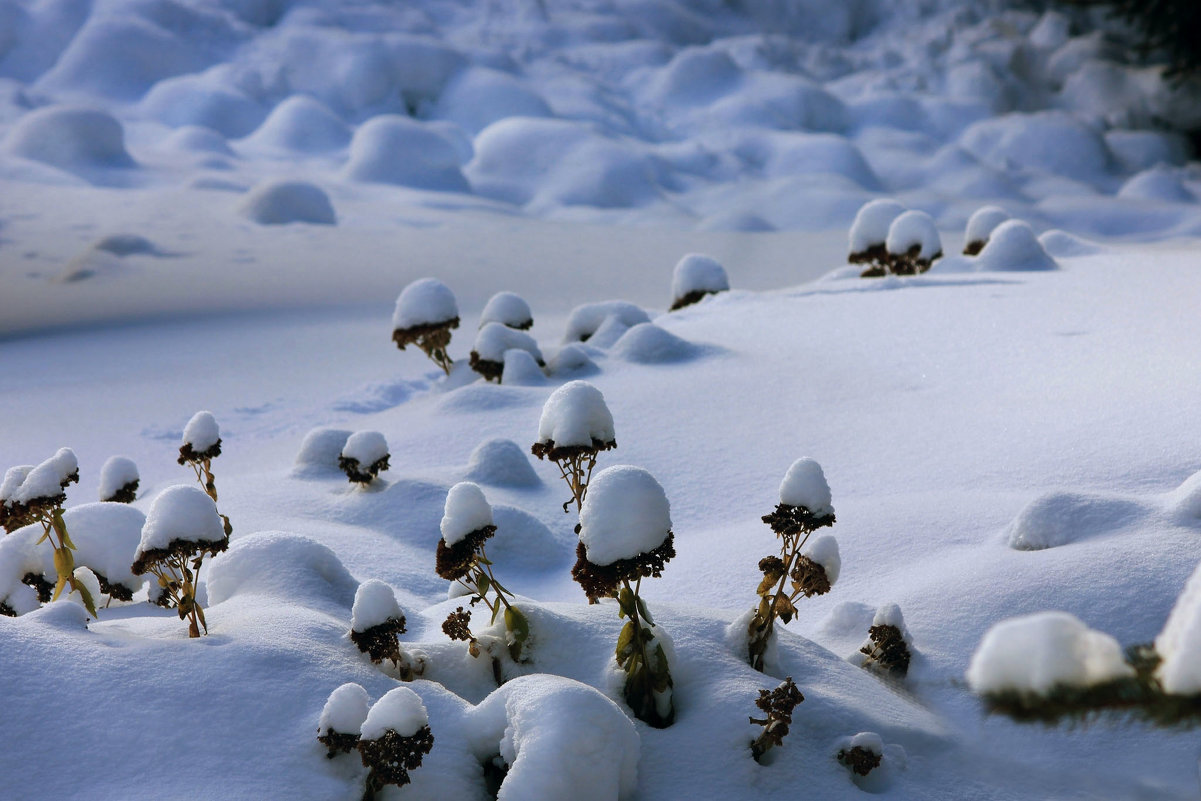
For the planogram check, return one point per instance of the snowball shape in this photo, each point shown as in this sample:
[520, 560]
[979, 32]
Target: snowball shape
[393, 149]
[182, 512]
[400, 710]
[201, 432]
[805, 485]
[282, 202]
[345, 710]
[625, 513]
[575, 415]
[290, 567]
[872, 222]
[647, 343]
[69, 138]
[520, 370]
[466, 510]
[1013, 246]
[426, 301]
[501, 462]
[1036, 653]
[1179, 644]
[983, 222]
[365, 447]
[301, 124]
[697, 272]
[824, 551]
[374, 604]
[507, 308]
[495, 338]
[914, 228]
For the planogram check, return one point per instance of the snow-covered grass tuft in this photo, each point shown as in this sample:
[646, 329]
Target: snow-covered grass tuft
[364, 455]
[695, 276]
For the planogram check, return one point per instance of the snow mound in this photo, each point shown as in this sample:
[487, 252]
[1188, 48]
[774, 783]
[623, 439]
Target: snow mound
[1179, 644]
[199, 100]
[1157, 184]
[374, 604]
[426, 301]
[575, 414]
[281, 565]
[981, 225]
[1061, 518]
[697, 273]
[501, 463]
[13, 478]
[872, 222]
[319, 451]
[494, 339]
[524, 543]
[1186, 499]
[344, 710]
[1050, 141]
[365, 447]
[647, 343]
[1013, 246]
[279, 202]
[625, 513]
[478, 97]
[106, 536]
[587, 319]
[198, 139]
[572, 361]
[391, 149]
[301, 124]
[914, 229]
[521, 370]
[1037, 653]
[1061, 244]
[507, 308]
[182, 512]
[201, 432]
[69, 138]
[400, 710]
[562, 741]
[466, 511]
[805, 485]
[20, 554]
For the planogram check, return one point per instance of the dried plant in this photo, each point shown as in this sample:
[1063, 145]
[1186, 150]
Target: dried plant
[432, 339]
[575, 426]
[394, 738]
[363, 456]
[778, 705]
[886, 650]
[375, 628]
[201, 444]
[426, 313]
[859, 760]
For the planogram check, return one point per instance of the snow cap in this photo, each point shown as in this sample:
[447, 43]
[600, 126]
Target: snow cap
[574, 415]
[914, 228]
[426, 301]
[13, 478]
[495, 338]
[365, 447]
[697, 272]
[466, 510]
[47, 479]
[507, 308]
[116, 473]
[805, 485]
[201, 432]
[374, 604]
[824, 551]
[983, 222]
[1179, 644]
[872, 222]
[345, 710]
[625, 513]
[182, 512]
[400, 710]
[1013, 246]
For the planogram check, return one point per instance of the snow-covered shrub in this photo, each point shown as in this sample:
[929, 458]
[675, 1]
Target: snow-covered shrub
[342, 719]
[804, 507]
[10, 517]
[466, 525]
[376, 624]
[363, 456]
[777, 705]
[426, 312]
[887, 646]
[586, 320]
[575, 426]
[183, 527]
[507, 308]
[119, 480]
[24, 566]
[105, 536]
[695, 276]
[913, 243]
[980, 227]
[491, 343]
[393, 739]
[202, 444]
[862, 754]
[625, 536]
[868, 234]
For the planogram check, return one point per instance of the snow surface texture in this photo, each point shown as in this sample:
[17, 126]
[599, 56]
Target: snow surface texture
[117, 472]
[625, 513]
[805, 485]
[365, 447]
[201, 432]
[182, 512]
[697, 272]
[1179, 644]
[374, 604]
[345, 710]
[507, 308]
[106, 536]
[13, 478]
[400, 710]
[575, 414]
[466, 511]
[1037, 653]
[424, 302]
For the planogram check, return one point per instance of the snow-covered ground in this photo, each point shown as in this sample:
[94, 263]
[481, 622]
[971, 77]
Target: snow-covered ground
[213, 206]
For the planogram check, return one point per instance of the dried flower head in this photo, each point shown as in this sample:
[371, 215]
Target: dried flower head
[363, 456]
[455, 561]
[381, 641]
[788, 521]
[391, 756]
[778, 705]
[887, 650]
[809, 577]
[457, 625]
[600, 581]
[859, 760]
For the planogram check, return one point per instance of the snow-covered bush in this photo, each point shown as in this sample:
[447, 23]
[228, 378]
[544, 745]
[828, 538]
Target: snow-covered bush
[119, 480]
[426, 312]
[363, 456]
[913, 243]
[202, 444]
[586, 320]
[507, 308]
[575, 426]
[183, 527]
[491, 344]
[342, 719]
[777, 705]
[869, 232]
[13, 518]
[625, 536]
[804, 507]
[980, 227]
[466, 525]
[695, 276]
[105, 536]
[393, 739]
[887, 646]
[376, 624]
[862, 754]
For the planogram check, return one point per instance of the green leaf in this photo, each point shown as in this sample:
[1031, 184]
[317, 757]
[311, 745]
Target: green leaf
[626, 604]
[482, 583]
[86, 595]
[515, 622]
[625, 643]
[646, 615]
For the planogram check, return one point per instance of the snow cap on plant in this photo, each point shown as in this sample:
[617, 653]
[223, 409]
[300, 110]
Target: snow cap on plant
[426, 313]
[466, 525]
[491, 344]
[625, 530]
[342, 719]
[913, 243]
[862, 753]
[45, 486]
[376, 621]
[695, 276]
[805, 501]
[887, 646]
[1179, 644]
[363, 456]
[980, 227]
[816, 568]
[586, 320]
[182, 521]
[105, 536]
[575, 419]
[509, 309]
[201, 439]
[119, 480]
[394, 738]
[869, 232]
[13, 517]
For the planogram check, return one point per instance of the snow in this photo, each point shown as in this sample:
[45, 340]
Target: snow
[914, 229]
[824, 551]
[872, 222]
[106, 536]
[494, 339]
[1179, 644]
[365, 447]
[42, 482]
[279, 202]
[392, 149]
[805, 485]
[183, 512]
[202, 432]
[697, 272]
[1037, 653]
[507, 308]
[320, 449]
[345, 710]
[1012, 245]
[13, 477]
[983, 222]
[890, 615]
[466, 511]
[586, 320]
[282, 565]
[868, 741]
[575, 414]
[78, 140]
[520, 369]
[424, 302]
[374, 604]
[647, 343]
[400, 709]
[625, 513]
[503, 463]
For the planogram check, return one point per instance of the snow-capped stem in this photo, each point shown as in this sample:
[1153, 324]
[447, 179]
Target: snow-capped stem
[778, 704]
